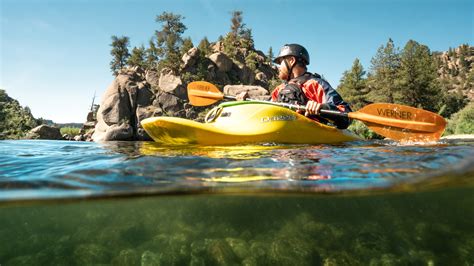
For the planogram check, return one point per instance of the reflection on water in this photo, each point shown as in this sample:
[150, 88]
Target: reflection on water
[383, 204]
[59, 169]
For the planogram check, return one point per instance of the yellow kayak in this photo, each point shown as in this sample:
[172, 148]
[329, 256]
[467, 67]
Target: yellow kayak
[245, 122]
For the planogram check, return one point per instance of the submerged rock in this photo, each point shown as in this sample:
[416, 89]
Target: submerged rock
[293, 251]
[240, 247]
[127, 257]
[150, 259]
[88, 254]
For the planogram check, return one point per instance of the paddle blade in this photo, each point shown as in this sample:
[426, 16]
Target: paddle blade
[400, 122]
[202, 93]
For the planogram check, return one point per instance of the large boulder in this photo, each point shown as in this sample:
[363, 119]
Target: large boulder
[116, 113]
[45, 132]
[190, 58]
[171, 83]
[255, 92]
[169, 104]
[153, 78]
[223, 62]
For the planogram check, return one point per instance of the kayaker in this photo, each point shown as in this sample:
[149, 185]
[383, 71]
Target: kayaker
[304, 88]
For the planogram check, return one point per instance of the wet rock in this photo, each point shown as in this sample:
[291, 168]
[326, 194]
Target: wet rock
[197, 261]
[259, 251]
[122, 131]
[150, 259]
[220, 252]
[466, 249]
[127, 257]
[22, 261]
[385, 259]
[250, 261]
[135, 235]
[340, 258]
[44, 132]
[240, 247]
[88, 254]
[293, 251]
[370, 241]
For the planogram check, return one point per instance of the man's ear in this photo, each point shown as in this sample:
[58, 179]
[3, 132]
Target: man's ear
[292, 60]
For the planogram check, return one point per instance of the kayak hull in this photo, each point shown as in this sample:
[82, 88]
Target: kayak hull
[246, 122]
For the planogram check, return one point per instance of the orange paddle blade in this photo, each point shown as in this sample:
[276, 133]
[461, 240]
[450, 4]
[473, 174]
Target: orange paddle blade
[400, 122]
[202, 93]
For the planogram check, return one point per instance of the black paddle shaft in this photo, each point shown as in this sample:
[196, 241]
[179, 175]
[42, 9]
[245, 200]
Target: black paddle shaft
[323, 112]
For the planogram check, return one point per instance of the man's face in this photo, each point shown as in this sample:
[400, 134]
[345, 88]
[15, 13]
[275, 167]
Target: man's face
[282, 69]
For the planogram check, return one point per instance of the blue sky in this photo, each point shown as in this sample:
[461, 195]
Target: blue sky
[55, 54]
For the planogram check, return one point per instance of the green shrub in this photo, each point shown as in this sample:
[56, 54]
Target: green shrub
[71, 131]
[461, 122]
[363, 131]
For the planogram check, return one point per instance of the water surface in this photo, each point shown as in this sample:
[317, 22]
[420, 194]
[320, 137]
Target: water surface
[139, 203]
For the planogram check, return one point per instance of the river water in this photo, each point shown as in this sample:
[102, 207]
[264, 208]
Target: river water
[140, 203]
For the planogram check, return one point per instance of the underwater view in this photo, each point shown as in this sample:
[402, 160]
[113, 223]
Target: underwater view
[141, 203]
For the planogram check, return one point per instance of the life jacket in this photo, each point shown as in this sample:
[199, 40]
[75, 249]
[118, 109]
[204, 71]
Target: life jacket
[296, 91]
[293, 91]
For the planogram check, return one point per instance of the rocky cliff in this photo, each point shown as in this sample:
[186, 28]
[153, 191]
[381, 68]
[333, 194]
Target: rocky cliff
[456, 69]
[137, 94]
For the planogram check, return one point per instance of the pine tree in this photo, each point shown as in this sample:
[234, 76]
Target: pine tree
[270, 55]
[138, 57]
[232, 39]
[246, 39]
[151, 56]
[205, 46]
[119, 53]
[251, 61]
[383, 73]
[169, 41]
[353, 86]
[417, 78]
[187, 45]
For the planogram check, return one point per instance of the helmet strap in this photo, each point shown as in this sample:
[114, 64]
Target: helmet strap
[290, 70]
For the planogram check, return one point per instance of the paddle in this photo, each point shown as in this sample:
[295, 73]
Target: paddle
[394, 121]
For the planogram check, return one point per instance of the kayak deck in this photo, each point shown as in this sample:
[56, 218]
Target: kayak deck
[235, 123]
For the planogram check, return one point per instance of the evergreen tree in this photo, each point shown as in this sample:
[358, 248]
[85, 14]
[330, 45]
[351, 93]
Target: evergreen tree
[383, 73]
[205, 46]
[169, 41]
[15, 121]
[246, 39]
[353, 86]
[236, 23]
[151, 56]
[270, 55]
[238, 37]
[417, 78]
[251, 61]
[187, 45]
[119, 53]
[138, 57]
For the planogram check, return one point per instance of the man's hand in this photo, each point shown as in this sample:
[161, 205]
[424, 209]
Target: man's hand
[242, 96]
[313, 108]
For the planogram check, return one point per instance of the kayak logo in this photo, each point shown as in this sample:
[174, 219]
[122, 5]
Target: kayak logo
[395, 114]
[267, 119]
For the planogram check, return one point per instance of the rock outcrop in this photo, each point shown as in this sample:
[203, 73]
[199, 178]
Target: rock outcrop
[136, 94]
[456, 68]
[45, 132]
